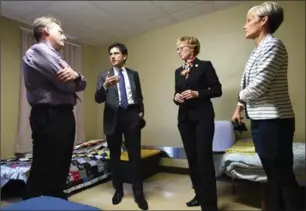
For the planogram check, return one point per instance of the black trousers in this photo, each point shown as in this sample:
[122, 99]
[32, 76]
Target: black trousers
[128, 124]
[273, 142]
[197, 137]
[53, 133]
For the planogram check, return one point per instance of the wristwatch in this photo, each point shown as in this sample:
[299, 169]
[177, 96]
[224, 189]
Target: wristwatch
[78, 77]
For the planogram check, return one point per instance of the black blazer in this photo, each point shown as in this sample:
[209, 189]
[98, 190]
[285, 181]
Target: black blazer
[202, 78]
[111, 99]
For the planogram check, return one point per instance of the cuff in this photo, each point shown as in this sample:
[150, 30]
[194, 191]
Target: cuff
[78, 78]
[242, 96]
[241, 104]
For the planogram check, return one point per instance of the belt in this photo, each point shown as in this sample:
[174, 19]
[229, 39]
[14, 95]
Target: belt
[56, 107]
[131, 106]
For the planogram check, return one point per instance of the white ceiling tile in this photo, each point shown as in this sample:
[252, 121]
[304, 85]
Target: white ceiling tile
[30, 17]
[71, 29]
[174, 6]
[76, 10]
[157, 23]
[18, 9]
[76, 32]
[68, 7]
[82, 16]
[131, 11]
[77, 18]
[103, 22]
[118, 33]
[192, 12]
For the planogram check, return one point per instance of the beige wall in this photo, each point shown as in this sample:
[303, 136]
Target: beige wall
[221, 35]
[10, 85]
[153, 55]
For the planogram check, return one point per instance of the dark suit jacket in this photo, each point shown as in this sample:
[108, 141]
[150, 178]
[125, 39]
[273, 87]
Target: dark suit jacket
[111, 98]
[202, 78]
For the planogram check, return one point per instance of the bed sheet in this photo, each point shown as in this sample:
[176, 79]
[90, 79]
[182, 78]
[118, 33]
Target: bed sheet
[248, 166]
[89, 165]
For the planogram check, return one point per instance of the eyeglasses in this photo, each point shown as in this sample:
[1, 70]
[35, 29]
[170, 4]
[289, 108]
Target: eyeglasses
[181, 48]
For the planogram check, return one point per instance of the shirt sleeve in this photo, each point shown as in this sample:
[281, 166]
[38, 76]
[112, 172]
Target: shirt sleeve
[271, 58]
[80, 83]
[101, 91]
[215, 87]
[47, 64]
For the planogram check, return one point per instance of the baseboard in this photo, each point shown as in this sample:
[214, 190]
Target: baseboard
[173, 170]
[185, 171]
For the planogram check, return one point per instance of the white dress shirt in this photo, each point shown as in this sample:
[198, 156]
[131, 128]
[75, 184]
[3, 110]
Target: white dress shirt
[127, 85]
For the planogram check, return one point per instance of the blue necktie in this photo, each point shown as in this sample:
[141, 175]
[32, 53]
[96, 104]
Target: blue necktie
[124, 100]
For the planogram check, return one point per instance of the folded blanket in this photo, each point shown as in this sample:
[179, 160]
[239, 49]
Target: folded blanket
[144, 154]
[244, 146]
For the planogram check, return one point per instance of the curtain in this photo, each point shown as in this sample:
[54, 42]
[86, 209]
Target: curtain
[72, 55]
[24, 135]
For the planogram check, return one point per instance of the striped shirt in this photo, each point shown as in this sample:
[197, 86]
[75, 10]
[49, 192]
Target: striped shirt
[264, 84]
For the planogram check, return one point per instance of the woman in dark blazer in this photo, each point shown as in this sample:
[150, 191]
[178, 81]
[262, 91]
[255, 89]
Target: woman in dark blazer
[196, 82]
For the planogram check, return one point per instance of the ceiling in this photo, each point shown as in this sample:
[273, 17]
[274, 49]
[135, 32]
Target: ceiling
[102, 22]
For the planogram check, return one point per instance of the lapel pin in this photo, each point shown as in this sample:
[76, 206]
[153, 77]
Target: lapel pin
[196, 65]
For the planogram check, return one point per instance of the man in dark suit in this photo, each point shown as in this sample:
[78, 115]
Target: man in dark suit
[119, 87]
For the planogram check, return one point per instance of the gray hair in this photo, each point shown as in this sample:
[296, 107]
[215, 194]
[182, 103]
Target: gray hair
[273, 11]
[41, 23]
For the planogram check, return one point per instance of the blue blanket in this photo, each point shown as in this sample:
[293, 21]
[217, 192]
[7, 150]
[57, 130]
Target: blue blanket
[47, 203]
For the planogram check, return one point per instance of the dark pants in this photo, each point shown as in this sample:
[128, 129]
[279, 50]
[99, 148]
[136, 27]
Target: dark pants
[128, 124]
[273, 142]
[197, 137]
[53, 133]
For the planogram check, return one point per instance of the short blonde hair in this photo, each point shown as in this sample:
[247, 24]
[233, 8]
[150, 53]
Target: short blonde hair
[192, 42]
[273, 11]
[40, 23]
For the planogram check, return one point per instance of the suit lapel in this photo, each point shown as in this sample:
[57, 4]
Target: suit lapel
[115, 87]
[132, 82]
[194, 72]
[253, 60]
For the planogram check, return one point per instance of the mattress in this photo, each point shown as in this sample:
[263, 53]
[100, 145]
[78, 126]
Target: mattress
[89, 165]
[242, 162]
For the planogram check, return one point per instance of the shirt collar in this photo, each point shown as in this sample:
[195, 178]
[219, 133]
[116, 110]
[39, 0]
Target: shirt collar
[50, 46]
[117, 68]
[190, 63]
[267, 37]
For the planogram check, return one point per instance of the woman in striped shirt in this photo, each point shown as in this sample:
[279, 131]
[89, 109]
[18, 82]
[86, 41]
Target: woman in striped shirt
[265, 98]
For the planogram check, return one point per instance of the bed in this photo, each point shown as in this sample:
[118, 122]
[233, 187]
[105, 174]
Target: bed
[89, 166]
[242, 162]
[150, 160]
